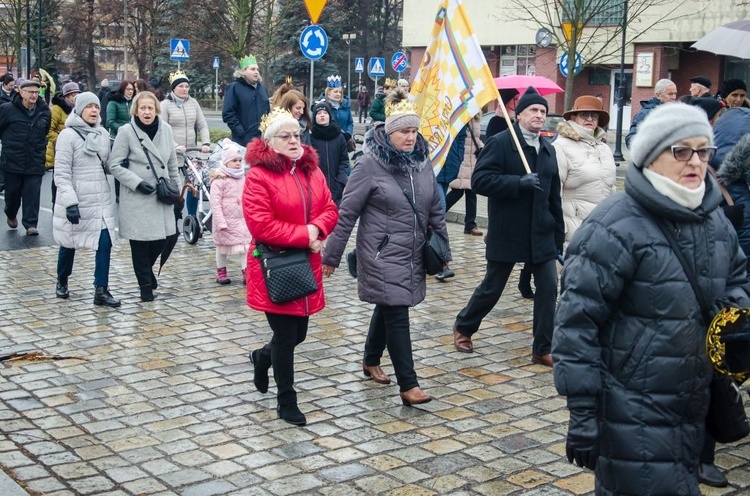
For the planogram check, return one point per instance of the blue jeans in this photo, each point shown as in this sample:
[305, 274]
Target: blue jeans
[101, 269]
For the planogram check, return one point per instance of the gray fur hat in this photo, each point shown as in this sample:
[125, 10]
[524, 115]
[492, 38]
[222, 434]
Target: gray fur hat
[665, 126]
[85, 99]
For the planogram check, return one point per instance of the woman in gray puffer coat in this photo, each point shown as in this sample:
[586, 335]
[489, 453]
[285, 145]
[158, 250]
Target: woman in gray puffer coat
[83, 216]
[143, 148]
[630, 341]
[393, 172]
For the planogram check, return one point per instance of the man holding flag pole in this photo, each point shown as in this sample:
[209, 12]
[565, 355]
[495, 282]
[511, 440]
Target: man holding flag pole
[517, 171]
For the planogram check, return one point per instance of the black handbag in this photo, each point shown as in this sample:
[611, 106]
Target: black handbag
[726, 419]
[167, 190]
[351, 262]
[287, 272]
[435, 250]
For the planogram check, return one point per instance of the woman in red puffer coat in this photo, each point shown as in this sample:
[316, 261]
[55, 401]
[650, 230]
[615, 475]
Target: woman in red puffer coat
[287, 204]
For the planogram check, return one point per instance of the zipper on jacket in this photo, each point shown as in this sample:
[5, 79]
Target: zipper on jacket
[304, 210]
[382, 245]
[416, 226]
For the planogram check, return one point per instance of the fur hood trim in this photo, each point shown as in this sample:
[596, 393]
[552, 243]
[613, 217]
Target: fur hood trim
[60, 102]
[259, 154]
[566, 130]
[736, 165]
[380, 147]
[118, 97]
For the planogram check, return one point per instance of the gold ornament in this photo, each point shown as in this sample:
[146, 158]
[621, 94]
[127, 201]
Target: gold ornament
[175, 75]
[726, 321]
[272, 116]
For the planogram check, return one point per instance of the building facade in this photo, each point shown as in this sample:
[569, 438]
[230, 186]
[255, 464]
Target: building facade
[658, 46]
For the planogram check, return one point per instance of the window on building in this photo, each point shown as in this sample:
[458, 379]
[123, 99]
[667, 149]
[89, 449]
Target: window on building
[594, 12]
[517, 60]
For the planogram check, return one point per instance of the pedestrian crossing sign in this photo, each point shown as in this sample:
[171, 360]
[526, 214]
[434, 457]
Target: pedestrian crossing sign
[376, 67]
[359, 64]
[179, 49]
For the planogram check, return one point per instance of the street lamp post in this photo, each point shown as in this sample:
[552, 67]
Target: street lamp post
[348, 38]
[619, 157]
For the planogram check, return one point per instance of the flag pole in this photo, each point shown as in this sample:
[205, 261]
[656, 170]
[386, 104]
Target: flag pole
[512, 131]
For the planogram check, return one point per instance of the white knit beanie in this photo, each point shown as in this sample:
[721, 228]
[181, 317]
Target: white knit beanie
[665, 126]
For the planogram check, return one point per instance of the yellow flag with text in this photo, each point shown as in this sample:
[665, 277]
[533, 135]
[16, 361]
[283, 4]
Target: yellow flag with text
[453, 82]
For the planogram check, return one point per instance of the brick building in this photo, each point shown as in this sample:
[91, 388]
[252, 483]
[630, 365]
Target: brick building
[662, 48]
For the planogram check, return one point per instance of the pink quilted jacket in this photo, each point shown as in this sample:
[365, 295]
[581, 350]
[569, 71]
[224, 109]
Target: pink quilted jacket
[229, 227]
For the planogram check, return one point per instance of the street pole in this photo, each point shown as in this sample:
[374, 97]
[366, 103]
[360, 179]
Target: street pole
[348, 38]
[312, 69]
[216, 91]
[619, 157]
[28, 42]
[125, 41]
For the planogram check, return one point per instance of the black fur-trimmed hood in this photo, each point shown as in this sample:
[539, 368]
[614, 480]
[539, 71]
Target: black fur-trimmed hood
[380, 147]
[736, 165]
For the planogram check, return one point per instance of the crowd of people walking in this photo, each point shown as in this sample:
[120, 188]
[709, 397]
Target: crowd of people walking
[626, 353]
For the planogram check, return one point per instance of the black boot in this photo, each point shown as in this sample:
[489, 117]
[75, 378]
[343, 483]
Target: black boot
[260, 371]
[102, 296]
[147, 293]
[154, 282]
[710, 475]
[291, 414]
[61, 289]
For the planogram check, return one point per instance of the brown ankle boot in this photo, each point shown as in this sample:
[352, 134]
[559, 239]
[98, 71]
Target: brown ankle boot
[414, 396]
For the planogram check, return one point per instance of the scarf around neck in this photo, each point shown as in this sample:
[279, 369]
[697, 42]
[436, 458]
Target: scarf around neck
[326, 133]
[149, 129]
[92, 135]
[233, 173]
[685, 197]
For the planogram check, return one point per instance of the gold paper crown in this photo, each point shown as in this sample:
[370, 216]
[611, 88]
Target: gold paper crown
[389, 82]
[176, 75]
[268, 119]
[402, 107]
[289, 80]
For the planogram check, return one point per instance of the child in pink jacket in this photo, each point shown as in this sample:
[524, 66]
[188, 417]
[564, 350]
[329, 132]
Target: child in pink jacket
[230, 232]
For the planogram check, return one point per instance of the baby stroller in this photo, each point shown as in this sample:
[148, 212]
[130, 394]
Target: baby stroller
[195, 169]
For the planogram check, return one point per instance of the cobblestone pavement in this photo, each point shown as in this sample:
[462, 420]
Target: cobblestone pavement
[160, 401]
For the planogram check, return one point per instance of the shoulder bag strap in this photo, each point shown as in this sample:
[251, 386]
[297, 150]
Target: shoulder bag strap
[414, 207]
[148, 157]
[667, 231]
[473, 137]
[722, 188]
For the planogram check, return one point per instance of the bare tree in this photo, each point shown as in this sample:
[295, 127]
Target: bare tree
[593, 28]
[78, 36]
[13, 25]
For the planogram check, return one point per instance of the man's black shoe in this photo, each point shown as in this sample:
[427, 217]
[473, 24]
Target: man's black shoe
[291, 414]
[61, 290]
[710, 475]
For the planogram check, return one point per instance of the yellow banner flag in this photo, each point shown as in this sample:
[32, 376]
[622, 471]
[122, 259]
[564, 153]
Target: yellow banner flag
[453, 82]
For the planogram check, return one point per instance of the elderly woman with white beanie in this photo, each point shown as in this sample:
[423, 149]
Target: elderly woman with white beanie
[83, 215]
[393, 193]
[629, 344]
[287, 204]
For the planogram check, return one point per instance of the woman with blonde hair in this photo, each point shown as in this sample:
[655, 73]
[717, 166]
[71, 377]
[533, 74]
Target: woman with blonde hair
[146, 144]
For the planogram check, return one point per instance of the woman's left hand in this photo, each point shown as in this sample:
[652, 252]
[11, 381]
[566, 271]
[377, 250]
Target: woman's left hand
[205, 149]
[328, 270]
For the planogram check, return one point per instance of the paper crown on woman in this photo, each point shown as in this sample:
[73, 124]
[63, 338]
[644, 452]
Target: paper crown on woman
[400, 112]
[275, 119]
[247, 61]
[177, 77]
[389, 82]
[333, 82]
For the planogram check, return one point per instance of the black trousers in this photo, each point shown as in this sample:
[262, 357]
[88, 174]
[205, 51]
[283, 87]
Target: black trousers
[487, 294]
[288, 332]
[23, 190]
[389, 327]
[144, 255]
[709, 447]
[363, 112]
[452, 197]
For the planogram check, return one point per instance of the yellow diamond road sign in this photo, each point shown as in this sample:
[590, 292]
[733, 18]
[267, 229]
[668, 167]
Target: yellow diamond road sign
[314, 8]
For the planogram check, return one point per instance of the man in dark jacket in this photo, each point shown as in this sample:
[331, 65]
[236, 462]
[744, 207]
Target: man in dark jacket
[103, 96]
[245, 103]
[700, 86]
[525, 224]
[24, 124]
[363, 101]
[666, 92]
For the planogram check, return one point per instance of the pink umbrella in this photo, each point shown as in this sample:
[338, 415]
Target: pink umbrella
[542, 84]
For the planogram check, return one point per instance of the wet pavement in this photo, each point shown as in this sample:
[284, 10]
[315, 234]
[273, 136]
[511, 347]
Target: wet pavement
[157, 398]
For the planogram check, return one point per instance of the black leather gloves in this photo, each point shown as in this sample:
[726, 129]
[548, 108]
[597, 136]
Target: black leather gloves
[73, 214]
[582, 444]
[530, 181]
[145, 188]
[737, 347]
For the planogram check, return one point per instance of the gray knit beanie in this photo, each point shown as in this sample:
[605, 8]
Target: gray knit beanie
[665, 126]
[84, 99]
[400, 113]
